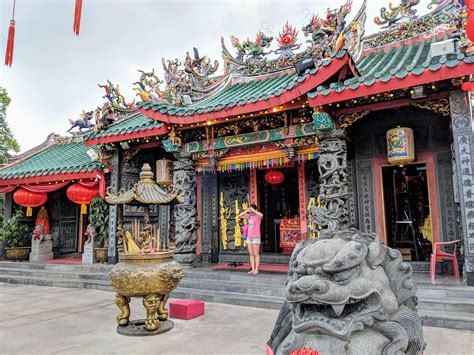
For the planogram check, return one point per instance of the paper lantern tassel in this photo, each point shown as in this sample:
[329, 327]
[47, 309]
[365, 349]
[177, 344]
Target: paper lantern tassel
[77, 17]
[10, 44]
[83, 209]
[29, 211]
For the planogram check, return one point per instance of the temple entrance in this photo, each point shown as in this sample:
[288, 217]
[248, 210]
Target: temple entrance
[64, 220]
[407, 211]
[279, 204]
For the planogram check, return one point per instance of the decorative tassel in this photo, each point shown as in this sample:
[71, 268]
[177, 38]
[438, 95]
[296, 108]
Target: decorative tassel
[11, 39]
[29, 211]
[77, 17]
[83, 209]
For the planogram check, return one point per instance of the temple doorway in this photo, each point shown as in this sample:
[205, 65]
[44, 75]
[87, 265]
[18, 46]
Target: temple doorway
[407, 210]
[279, 203]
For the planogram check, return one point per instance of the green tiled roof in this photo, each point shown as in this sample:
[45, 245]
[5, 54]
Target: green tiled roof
[237, 94]
[56, 159]
[134, 123]
[394, 63]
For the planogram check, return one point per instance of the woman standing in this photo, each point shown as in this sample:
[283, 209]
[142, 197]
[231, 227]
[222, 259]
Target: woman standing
[254, 218]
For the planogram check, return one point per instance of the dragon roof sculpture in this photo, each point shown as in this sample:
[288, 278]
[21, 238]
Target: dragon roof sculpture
[347, 293]
[404, 11]
[184, 82]
[327, 37]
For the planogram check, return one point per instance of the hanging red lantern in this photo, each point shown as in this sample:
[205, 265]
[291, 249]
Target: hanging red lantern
[467, 86]
[274, 177]
[82, 195]
[29, 199]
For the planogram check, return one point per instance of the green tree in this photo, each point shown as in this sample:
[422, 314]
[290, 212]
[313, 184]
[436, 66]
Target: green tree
[8, 143]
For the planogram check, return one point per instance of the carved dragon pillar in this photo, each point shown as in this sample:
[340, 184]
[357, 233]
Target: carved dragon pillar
[185, 213]
[463, 141]
[332, 212]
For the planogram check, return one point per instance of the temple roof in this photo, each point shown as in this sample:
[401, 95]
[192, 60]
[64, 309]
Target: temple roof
[61, 159]
[248, 94]
[134, 126]
[393, 68]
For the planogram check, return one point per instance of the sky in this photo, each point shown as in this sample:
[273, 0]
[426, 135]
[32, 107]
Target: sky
[54, 75]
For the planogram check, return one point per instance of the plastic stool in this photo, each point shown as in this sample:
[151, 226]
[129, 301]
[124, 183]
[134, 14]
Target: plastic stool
[440, 255]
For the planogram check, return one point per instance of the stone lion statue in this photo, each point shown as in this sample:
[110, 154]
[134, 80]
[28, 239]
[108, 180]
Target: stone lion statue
[347, 293]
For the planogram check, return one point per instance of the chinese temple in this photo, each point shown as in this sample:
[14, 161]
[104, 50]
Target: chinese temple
[322, 127]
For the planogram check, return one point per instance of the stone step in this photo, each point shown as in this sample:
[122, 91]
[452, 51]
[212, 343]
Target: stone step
[52, 274]
[56, 266]
[233, 286]
[44, 281]
[240, 299]
[239, 276]
[451, 320]
[461, 305]
[430, 291]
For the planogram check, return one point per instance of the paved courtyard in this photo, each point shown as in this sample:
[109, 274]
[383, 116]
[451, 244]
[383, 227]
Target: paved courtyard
[50, 320]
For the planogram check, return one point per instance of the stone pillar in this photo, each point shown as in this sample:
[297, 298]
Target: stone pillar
[463, 140]
[333, 213]
[185, 213]
[7, 213]
[209, 219]
[113, 209]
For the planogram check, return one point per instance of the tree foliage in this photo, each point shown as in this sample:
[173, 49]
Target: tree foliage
[14, 232]
[8, 143]
[99, 217]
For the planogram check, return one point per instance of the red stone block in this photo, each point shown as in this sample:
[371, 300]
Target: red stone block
[186, 309]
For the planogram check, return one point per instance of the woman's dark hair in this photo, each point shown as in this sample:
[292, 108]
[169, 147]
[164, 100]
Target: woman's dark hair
[254, 206]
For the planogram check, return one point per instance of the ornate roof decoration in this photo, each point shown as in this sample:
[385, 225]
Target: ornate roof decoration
[114, 109]
[184, 82]
[404, 11]
[436, 23]
[327, 37]
[145, 191]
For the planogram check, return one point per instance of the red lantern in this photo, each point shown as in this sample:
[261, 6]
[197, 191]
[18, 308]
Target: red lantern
[29, 199]
[82, 195]
[274, 177]
[467, 86]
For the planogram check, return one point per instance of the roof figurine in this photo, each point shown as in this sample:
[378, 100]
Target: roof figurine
[404, 11]
[116, 99]
[287, 41]
[327, 35]
[84, 122]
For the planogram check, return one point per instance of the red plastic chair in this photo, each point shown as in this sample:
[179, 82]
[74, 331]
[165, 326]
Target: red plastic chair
[440, 255]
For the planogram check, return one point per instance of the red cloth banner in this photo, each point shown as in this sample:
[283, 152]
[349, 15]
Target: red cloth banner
[6, 189]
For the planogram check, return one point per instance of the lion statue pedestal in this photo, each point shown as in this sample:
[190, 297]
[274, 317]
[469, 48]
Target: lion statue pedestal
[41, 245]
[347, 293]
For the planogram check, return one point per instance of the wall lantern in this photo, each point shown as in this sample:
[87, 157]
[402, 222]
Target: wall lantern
[400, 146]
[164, 172]
[274, 177]
[82, 195]
[29, 199]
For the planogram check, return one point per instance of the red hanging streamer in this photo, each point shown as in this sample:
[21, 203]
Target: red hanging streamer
[11, 39]
[77, 17]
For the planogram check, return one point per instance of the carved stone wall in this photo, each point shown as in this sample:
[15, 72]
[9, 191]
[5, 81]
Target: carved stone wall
[463, 137]
[185, 214]
[209, 219]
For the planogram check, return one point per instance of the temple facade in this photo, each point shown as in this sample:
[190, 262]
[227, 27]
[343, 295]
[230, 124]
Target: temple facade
[373, 132]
